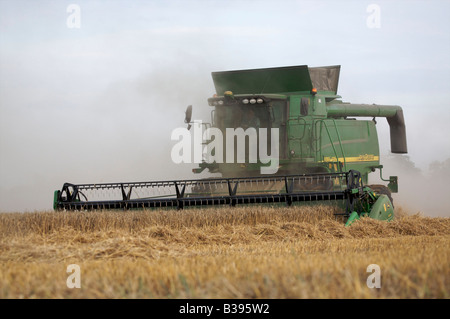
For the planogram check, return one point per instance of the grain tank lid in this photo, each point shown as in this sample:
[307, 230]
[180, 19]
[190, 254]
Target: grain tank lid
[325, 78]
[263, 81]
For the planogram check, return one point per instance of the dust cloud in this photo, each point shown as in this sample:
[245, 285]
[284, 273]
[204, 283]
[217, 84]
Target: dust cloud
[422, 191]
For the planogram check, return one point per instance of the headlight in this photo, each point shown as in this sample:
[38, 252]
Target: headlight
[214, 102]
[252, 101]
[259, 101]
[220, 102]
[245, 101]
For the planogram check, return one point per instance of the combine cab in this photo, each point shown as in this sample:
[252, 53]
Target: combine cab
[320, 148]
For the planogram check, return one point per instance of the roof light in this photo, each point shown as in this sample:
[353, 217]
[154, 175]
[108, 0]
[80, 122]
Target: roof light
[245, 101]
[314, 91]
[252, 101]
[259, 101]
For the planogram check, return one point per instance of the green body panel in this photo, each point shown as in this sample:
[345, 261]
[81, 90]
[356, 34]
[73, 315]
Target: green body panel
[352, 143]
[382, 209]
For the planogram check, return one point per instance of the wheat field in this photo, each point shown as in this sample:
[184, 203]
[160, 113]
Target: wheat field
[241, 252]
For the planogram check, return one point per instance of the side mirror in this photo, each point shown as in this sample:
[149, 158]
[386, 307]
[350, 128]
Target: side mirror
[188, 116]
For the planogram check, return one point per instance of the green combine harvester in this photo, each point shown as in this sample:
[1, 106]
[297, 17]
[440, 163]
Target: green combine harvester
[324, 152]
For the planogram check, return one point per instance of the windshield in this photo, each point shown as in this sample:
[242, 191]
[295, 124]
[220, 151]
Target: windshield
[267, 116]
[245, 116]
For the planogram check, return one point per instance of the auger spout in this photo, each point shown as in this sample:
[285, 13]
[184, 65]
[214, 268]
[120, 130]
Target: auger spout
[393, 114]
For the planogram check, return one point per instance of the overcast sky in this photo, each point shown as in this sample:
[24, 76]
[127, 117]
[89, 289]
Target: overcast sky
[98, 102]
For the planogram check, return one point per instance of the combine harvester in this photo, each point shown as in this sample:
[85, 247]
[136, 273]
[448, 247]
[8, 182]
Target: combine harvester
[324, 152]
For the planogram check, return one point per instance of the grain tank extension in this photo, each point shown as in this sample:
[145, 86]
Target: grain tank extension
[326, 148]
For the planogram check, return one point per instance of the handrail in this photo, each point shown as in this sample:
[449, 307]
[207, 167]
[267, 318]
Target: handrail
[298, 139]
[319, 149]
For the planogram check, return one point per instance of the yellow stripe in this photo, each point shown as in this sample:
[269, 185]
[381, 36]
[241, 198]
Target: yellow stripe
[360, 158]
